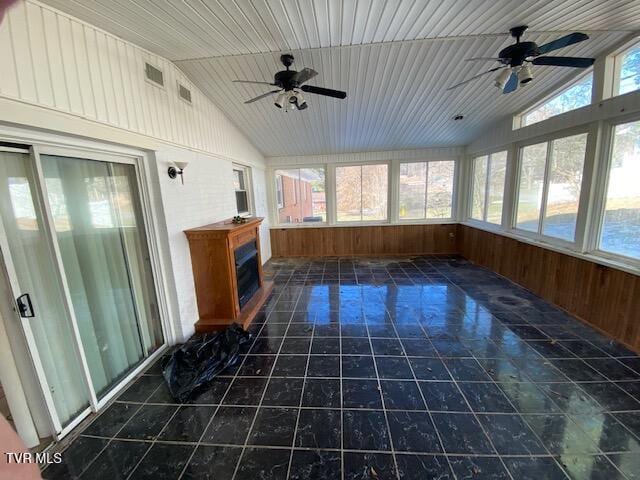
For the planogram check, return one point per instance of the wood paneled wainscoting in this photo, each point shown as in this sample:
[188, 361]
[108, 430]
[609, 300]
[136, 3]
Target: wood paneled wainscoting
[604, 297]
[366, 240]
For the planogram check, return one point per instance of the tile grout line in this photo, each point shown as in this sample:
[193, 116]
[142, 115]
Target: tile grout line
[204, 431]
[466, 341]
[470, 409]
[153, 441]
[424, 400]
[520, 415]
[304, 381]
[109, 439]
[255, 416]
[341, 396]
[384, 405]
[547, 361]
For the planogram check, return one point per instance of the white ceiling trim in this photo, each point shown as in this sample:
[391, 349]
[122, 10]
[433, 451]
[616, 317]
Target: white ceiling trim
[451, 153]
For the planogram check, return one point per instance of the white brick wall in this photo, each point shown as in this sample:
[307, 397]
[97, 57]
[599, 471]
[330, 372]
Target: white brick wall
[207, 196]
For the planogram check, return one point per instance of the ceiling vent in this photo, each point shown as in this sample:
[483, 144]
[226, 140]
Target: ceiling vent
[153, 74]
[184, 93]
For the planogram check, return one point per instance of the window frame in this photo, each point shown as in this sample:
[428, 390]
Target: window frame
[334, 194]
[393, 184]
[279, 191]
[518, 119]
[617, 66]
[248, 189]
[582, 214]
[505, 192]
[600, 190]
[274, 205]
[454, 193]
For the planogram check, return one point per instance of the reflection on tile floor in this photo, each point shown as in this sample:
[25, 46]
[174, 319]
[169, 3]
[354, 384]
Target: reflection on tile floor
[421, 368]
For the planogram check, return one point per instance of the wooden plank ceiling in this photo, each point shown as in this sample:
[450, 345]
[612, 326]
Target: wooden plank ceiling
[395, 59]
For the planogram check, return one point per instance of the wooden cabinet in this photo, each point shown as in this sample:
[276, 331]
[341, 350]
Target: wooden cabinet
[215, 267]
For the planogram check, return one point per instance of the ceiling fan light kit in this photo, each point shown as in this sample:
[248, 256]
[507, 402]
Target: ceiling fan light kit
[502, 78]
[516, 60]
[290, 87]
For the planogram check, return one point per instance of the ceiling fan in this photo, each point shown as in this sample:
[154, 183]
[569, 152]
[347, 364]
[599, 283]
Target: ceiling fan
[290, 85]
[515, 60]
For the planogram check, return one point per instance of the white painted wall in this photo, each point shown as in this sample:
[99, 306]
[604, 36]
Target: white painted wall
[63, 75]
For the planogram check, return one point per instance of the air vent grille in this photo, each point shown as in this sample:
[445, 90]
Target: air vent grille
[184, 93]
[154, 74]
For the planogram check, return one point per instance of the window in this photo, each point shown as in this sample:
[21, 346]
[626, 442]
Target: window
[620, 232]
[489, 173]
[300, 195]
[628, 70]
[550, 179]
[241, 183]
[361, 193]
[576, 96]
[426, 190]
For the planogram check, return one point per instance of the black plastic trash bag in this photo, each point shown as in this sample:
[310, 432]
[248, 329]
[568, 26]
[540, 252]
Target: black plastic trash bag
[198, 361]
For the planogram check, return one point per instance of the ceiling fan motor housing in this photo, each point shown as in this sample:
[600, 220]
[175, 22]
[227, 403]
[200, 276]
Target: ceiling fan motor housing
[515, 55]
[286, 79]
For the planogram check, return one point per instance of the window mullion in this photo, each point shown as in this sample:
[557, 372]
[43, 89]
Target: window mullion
[426, 188]
[545, 187]
[486, 189]
[361, 176]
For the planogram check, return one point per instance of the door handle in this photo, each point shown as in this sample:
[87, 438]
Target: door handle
[25, 307]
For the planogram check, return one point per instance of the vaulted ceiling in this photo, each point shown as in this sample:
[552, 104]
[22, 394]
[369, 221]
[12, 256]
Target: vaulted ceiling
[395, 58]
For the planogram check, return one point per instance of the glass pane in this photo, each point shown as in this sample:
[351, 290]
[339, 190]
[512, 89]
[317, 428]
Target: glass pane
[104, 250]
[349, 194]
[314, 205]
[242, 204]
[497, 178]
[574, 97]
[630, 71]
[440, 189]
[621, 223]
[374, 192]
[37, 275]
[279, 192]
[531, 179]
[479, 187]
[238, 180]
[289, 208]
[565, 180]
[413, 188]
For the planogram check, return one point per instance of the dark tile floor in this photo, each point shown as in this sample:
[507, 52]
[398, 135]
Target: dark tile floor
[422, 368]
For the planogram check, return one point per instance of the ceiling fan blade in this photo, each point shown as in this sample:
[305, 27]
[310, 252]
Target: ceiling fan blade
[304, 75]
[562, 42]
[260, 97]
[512, 83]
[252, 81]
[474, 77]
[577, 62]
[323, 91]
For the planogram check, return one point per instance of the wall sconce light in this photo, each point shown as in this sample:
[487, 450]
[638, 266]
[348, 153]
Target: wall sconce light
[177, 170]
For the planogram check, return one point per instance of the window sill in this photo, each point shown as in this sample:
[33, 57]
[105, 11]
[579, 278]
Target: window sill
[594, 257]
[364, 224]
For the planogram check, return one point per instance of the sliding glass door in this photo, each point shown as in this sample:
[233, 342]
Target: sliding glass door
[78, 248]
[32, 270]
[98, 223]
